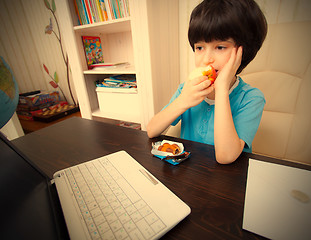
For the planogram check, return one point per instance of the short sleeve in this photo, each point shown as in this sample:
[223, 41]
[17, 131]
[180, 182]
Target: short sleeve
[248, 116]
[176, 94]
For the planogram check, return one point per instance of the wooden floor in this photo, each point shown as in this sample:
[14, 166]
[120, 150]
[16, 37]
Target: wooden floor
[31, 126]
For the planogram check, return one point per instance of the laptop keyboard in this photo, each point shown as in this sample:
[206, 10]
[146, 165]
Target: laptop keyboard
[110, 207]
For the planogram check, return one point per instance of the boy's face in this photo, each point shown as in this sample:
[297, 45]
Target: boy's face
[216, 53]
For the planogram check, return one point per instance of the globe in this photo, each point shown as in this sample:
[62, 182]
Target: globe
[8, 93]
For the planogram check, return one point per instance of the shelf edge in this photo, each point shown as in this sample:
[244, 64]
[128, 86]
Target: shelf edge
[101, 24]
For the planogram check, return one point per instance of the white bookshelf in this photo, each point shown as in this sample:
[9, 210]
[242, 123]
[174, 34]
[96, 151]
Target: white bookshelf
[139, 40]
[127, 69]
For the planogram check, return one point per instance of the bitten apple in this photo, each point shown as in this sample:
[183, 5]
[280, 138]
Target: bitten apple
[208, 71]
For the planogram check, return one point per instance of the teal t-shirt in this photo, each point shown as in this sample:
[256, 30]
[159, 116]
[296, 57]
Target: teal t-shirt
[247, 103]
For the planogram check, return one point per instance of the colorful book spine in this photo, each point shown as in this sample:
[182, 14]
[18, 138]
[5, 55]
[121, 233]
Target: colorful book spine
[80, 12]
[88, 11]
[85, 11]
[116, 9]
[126, 8]
[103, 9]
[92, 11]
[110, 9]
[122, 7]
[100, 13]
[77, 12]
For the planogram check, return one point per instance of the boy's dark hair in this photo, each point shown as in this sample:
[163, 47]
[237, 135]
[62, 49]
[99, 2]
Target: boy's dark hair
[241, 20]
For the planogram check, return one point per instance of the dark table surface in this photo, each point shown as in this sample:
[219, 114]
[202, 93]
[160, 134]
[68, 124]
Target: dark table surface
[214, 192]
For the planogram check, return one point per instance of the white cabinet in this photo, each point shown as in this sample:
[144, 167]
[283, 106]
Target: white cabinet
[147, 40]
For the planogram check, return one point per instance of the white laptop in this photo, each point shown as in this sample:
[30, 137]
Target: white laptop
[278, 200]
[112, 197]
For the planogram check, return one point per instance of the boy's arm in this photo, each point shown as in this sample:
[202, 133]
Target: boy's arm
[163, 119]
[193, 93]
[228, 145]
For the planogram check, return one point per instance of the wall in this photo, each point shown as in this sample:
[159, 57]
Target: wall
[163, 33]
[25, 46]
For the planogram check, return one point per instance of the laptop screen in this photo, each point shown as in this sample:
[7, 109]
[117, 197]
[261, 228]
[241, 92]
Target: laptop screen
[277, 200]
[27, 207]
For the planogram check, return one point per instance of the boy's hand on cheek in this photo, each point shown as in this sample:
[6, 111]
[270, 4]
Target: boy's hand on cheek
[195, 90]
[228, 72]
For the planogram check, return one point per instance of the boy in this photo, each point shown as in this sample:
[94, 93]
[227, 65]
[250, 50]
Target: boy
[226, 34]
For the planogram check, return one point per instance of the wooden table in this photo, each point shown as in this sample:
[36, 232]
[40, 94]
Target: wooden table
[214, 192]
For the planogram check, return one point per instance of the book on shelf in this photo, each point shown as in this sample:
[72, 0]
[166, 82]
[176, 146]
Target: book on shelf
[81, 12]
[92, 11]
[118, 81]
[88, 11]
[93, 50]
[103, 9]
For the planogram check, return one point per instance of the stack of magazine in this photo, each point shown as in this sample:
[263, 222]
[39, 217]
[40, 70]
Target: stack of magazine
[118, 81]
